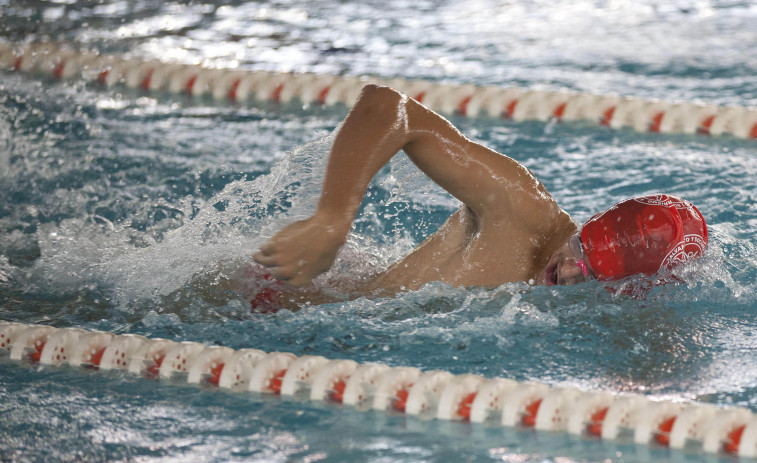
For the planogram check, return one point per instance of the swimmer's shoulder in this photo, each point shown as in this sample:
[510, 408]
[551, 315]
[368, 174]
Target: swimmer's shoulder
[532, 210]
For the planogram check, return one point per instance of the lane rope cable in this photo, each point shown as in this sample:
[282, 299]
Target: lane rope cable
[427, 394]
[62, 61]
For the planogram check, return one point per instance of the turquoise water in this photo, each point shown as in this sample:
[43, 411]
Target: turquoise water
[130, 212]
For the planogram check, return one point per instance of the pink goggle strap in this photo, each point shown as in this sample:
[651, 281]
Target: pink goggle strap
[582, 265]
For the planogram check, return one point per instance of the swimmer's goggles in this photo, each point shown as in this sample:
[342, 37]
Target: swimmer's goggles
[577, 249]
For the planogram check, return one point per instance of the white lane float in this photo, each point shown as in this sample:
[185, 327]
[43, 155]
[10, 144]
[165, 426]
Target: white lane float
[652, 421]
[120, 350]
[29, 342]
[724, 432]
[361, 385]
[555, 409]
[585, 416]
[521, 405]
[8, 334]
[477, 104]
[425, 392]
[747, 445]
[489, 399]
[458, 392]
[301, 373]
[393, 388]
[238, 369]
[269, 371]
[439, 394]
[90, 348]
[225, 87]
[180, 358]
[60, 345]
[688, 425]
[148, 358]
[208, 364]
[62, 61]
[597, 109]
[331, 380]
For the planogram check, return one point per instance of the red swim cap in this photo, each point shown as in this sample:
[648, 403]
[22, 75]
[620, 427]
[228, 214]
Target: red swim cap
[643, 235]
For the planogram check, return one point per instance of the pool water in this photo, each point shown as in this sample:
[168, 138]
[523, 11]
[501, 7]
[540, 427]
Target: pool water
[132, 212]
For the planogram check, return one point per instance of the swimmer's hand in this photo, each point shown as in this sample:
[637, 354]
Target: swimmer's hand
[302, 250]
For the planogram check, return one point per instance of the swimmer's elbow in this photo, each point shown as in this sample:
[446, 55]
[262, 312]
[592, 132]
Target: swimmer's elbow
[380, 98]
[379, 91]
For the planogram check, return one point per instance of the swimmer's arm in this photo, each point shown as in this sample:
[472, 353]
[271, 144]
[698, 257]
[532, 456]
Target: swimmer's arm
[381, 123]
[384, 121]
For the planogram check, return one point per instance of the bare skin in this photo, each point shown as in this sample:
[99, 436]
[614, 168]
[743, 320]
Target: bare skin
[509, 229]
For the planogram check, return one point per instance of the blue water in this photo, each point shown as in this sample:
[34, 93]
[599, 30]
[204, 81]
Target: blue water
[132, 213]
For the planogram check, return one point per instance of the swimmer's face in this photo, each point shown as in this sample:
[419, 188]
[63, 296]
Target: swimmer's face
[568, 266]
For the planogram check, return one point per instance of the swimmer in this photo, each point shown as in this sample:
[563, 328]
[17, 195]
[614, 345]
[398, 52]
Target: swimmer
[509, 228]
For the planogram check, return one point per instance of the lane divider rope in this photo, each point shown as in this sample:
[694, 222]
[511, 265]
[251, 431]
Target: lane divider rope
[429, 394]
[60, 61]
